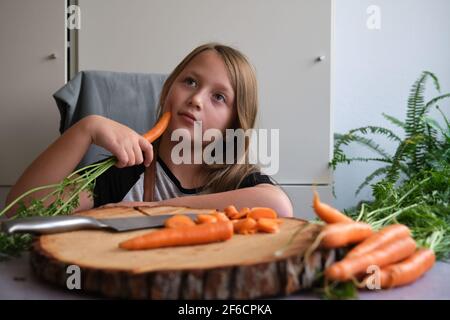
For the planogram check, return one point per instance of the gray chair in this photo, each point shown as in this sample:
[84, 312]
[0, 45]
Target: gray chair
[128, 98]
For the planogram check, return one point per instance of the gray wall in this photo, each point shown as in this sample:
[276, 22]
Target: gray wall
[374, 70]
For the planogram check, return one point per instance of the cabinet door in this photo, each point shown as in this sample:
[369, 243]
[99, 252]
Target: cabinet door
[283, 39]
[30, 31]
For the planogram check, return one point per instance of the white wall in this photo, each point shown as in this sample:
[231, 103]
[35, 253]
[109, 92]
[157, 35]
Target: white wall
[375, 69]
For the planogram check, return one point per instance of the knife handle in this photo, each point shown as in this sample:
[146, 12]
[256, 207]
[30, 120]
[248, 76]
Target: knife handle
[44, 225]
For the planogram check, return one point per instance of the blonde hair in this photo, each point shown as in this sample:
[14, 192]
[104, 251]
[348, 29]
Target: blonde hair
[224, 177]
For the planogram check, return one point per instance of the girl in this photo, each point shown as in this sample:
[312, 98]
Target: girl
[215, 85]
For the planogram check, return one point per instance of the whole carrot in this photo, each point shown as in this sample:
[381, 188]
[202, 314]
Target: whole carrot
[390, 253]
[262, 212]
[388, 234]
[327, 213]
[179, 220]
[155, 132]
[182, 236]
[341, 234]
[407, 271]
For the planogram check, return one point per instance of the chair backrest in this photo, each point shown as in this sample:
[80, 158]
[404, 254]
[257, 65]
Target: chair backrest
[128, 98]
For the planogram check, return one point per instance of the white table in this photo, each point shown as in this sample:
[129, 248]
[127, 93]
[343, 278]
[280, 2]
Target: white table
[17, 281]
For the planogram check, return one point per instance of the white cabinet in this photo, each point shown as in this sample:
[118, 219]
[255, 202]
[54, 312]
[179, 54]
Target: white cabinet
[283, 40]
[30, 31]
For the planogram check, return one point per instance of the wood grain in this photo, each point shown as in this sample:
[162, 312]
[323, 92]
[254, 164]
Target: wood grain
[244, 267]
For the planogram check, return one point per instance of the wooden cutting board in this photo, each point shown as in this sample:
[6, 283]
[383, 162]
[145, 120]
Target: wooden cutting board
[243, 267]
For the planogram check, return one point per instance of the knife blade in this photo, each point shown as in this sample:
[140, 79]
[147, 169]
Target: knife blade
[46, 225]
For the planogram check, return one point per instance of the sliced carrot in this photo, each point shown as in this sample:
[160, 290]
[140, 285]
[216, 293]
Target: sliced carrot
[390, 253]
[268, 225]
[179, 220]
[182, 236]
[341, 234]
[242, 213]
[388, 234]
[155, 132]
[221, 216]
[231, 212]
[245, 226]
[262, 212]
[206, 218]
[408, 270]
[327, 213]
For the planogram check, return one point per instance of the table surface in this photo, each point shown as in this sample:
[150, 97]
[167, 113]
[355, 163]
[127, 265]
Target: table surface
[17, 281]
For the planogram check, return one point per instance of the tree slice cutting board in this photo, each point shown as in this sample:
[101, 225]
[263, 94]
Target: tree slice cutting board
[243, 267]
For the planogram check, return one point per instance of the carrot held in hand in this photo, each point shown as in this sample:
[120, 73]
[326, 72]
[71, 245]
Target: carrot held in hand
[179, 220]
[387, 234]
[348, 268]
[407, 271]
[155, 132]
[182, 236]
[262, 212]
[341, 234]
[327, 213]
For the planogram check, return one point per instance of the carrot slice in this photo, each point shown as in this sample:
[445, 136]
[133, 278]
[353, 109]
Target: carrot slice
[206, 218]
[327, 213]
[390, 253]
[182, 236]
[245, 226]
[341, 234]
[179, 220]
[268, 225]
[231, 212]
[220, 216]
[388, 234]
[262, 212]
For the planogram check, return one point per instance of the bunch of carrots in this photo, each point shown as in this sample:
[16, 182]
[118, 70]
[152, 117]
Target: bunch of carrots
[392, 249]
[181, 230]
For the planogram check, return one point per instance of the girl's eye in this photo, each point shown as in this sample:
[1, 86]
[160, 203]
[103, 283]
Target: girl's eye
[219, 97]
[190, 82]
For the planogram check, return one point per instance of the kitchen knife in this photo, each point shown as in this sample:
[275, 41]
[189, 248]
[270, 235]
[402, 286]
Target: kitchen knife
[45, 225]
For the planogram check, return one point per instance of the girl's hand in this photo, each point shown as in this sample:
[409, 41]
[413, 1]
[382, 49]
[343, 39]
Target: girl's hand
[129, 147]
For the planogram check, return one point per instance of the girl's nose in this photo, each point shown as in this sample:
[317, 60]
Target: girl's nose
[196, 100]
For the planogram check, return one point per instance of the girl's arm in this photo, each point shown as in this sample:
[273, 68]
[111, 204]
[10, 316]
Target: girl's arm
[262, 195]
[63, 155]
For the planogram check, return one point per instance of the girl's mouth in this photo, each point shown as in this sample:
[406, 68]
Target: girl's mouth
[187, 117]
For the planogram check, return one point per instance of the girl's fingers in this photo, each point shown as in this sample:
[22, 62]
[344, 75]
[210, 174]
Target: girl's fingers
[131, 156]
[147, 149]
[138, 154]
[122, 158]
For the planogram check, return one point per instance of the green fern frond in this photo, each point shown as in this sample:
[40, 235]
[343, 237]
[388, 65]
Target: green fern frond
[361, 159]
[370, 177]
[377, 130]
[348, 138]
[433, 101]
[394, 120]
[415, 129]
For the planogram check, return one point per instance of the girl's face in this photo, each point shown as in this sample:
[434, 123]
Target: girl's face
[202, 92]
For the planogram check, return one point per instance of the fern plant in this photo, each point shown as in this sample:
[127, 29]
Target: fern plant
[421, 138]
[421, 198]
